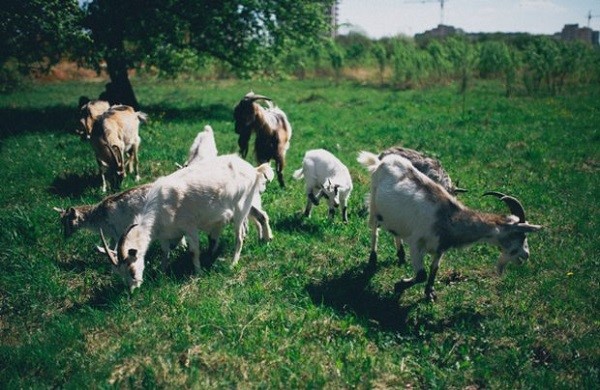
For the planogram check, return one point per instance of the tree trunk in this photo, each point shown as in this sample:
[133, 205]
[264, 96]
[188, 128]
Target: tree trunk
[119, 90]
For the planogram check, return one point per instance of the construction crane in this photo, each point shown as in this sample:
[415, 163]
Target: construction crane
[432, 1]
[590, 16]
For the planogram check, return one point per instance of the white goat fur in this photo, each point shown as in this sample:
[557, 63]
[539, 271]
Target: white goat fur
[325, 175]
[204, 146]
[203, 196]
[115, 135]
[411, 206]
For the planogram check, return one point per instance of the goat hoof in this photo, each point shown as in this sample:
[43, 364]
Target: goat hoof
[430, 294]
[401, 257]
[401, 286]
[373, 259]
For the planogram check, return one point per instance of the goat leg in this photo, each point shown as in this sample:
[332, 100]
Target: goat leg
[429, 290]
[407, 283]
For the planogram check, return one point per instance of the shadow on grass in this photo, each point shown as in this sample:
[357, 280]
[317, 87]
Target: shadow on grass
[74, 184]
[297, 223]
[208, 113]
[64, 119]
[349, 292]
[52, 119]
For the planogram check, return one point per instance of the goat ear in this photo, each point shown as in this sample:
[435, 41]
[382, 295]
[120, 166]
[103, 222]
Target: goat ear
[267, 171]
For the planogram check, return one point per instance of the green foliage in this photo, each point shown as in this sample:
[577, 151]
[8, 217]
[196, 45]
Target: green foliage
[305, 310]
[336, 57]
[380, 53]
[36, 34]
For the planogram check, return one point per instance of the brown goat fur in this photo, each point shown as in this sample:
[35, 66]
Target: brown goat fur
[273, 131]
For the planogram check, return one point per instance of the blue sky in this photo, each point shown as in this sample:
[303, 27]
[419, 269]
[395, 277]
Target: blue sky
[378, 18]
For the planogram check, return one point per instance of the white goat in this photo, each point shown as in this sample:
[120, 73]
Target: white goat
[413, 207]
[203, 196]
[432, 168]
[89, 112]
[325, 175]
[114, 135]
[204, 146]
[112, 215]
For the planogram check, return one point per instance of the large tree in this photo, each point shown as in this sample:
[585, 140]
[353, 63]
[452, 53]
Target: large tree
[248, 34]
[35, 34]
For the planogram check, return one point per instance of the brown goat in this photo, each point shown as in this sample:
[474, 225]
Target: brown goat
[89, 112]
[114, 135]
[272, 128]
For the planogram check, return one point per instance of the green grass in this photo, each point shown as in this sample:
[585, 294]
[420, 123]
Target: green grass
[305, 310]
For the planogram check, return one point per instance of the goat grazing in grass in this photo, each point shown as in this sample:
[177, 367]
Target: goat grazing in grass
[112, 215]
[273, 131]
[325, 175]
[115, 134]
[432, 168]
[413, 207]
[204, 196]
[89, 112]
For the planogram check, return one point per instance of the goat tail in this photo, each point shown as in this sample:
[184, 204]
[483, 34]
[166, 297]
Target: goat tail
[142, 116]
[298, 174]
[368, 160]
[266, 170]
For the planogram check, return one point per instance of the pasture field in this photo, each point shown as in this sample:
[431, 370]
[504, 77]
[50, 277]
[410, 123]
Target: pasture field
[305, 311]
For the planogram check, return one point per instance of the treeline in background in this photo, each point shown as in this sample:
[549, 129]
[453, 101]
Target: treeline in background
[525, 64]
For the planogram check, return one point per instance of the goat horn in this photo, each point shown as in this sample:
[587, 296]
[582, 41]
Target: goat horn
[120, 253]
[256, 97]
[515, 207]
[109, 253]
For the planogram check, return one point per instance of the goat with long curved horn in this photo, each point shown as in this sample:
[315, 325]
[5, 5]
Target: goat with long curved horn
[111, 255]
[515, 207]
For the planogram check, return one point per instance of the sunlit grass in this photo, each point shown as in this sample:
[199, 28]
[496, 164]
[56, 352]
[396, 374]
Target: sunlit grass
[306, 310]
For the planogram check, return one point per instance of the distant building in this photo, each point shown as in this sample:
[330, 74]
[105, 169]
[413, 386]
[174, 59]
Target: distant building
[441, 31]
[333, 18]
[572, 32]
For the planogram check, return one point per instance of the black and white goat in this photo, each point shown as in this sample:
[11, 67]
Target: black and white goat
[115, 135]
[325, 175]
[413, 207]
[203, 196]
[272, 128]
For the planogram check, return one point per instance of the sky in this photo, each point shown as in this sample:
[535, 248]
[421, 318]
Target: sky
[381, 18]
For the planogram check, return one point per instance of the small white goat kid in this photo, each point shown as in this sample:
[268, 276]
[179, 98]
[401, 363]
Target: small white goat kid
[325, 175]
[203, 196]
[413, 207]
